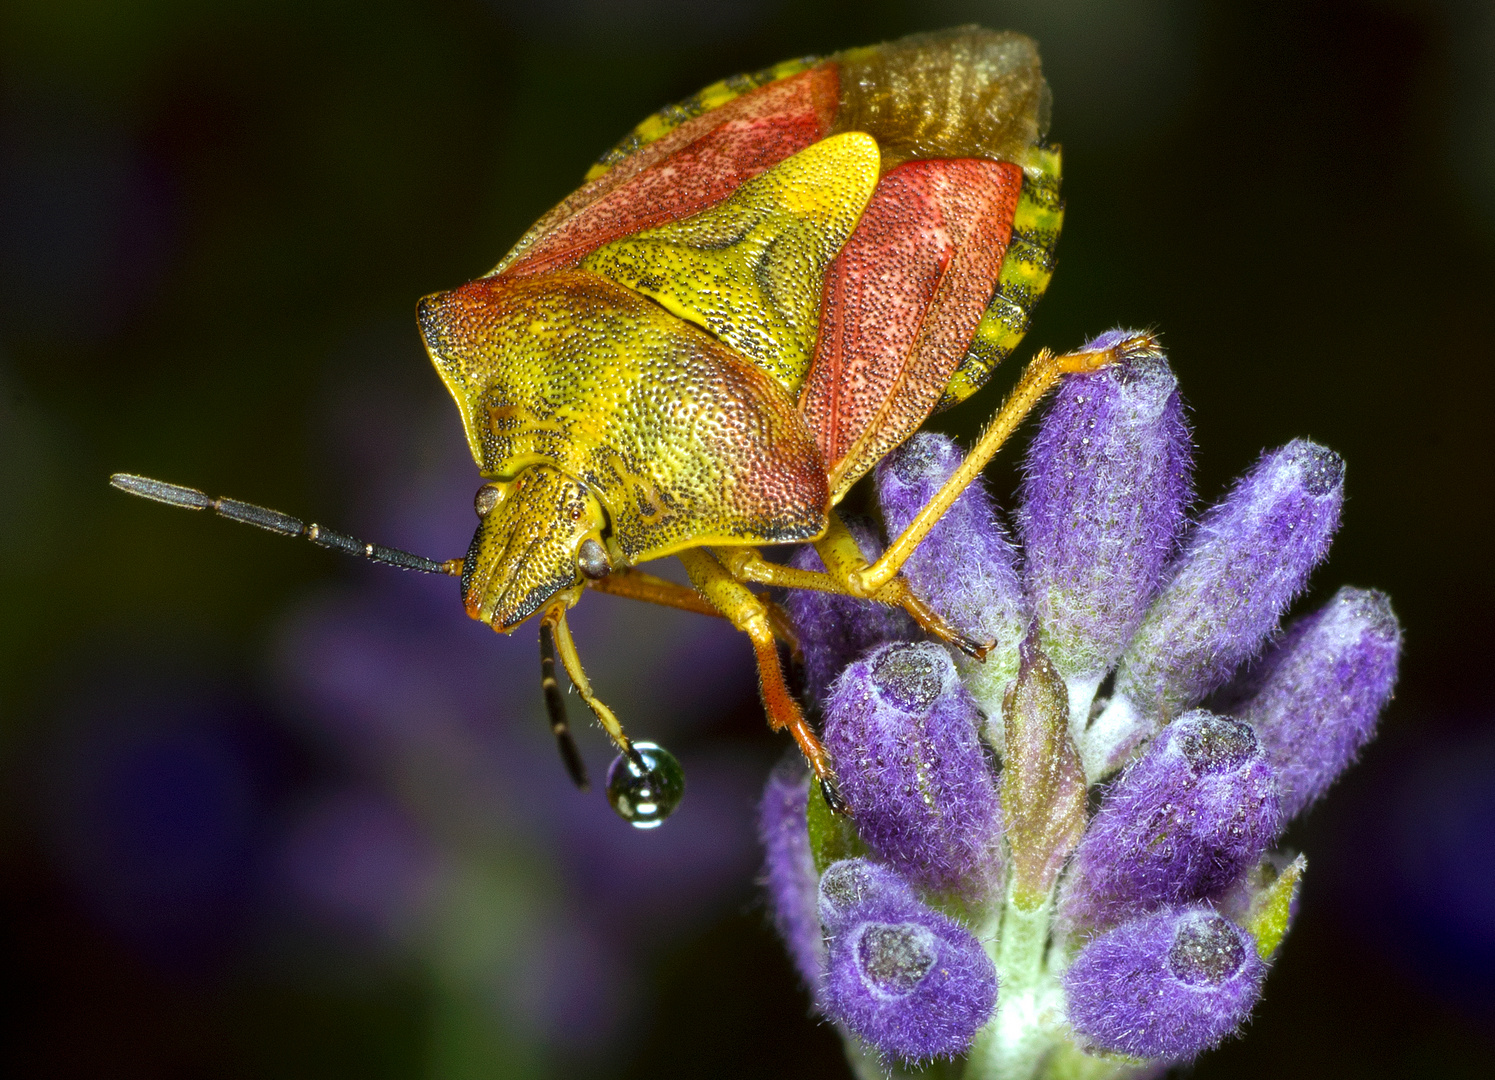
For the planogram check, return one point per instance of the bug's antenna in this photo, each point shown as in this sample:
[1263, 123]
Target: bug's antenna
[276, 522]
[555, 705]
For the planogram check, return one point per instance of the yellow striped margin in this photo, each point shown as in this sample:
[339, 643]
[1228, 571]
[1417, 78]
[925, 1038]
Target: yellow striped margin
[714, 96]
[1025, 274]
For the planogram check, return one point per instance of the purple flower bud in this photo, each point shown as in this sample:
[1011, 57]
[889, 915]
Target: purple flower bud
[1319, 692]
[966, 568]
[1167, 985]
[849, 885]
[834, 630]
[1243, 564]
[789, 868]
[902, 731]
[912, 982]
[1182, 823]
[1106, 487]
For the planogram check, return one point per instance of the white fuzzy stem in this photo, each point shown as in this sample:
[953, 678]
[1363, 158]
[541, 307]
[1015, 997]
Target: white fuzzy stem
[1105, 743]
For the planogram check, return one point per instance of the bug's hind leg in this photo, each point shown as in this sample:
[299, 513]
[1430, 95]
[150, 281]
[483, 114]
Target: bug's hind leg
[749, 614]
[1042, 372]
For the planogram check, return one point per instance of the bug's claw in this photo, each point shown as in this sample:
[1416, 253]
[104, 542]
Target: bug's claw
[832, 794]
[976, 650]
[932, 622]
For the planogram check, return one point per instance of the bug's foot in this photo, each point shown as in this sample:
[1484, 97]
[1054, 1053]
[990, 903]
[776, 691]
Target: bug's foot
[932, 622]
[976, 650]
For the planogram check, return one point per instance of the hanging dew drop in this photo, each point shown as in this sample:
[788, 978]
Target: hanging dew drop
[645, 797]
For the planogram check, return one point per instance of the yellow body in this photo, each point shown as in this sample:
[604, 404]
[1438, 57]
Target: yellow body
[754, 297]
[658, 377]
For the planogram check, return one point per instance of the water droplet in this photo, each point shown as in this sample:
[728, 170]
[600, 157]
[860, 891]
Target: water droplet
[645, 797]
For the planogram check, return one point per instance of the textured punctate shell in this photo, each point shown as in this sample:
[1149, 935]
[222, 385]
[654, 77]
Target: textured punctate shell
[762, 291]
[681, 439]
[906, 312]
[900, 305]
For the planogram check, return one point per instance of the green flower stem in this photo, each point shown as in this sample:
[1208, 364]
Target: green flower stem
[1030, 1008]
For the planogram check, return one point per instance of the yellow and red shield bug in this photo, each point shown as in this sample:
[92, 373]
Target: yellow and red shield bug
[753, 298]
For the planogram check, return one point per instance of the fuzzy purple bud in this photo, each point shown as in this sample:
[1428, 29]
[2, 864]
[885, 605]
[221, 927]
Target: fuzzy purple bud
[849, 885]
[912, 982]
[966, 568]
[902, 731]
[1106, 487]
[789, 867]
[1167, 985]
[1182, 823]
[1244, 563]
[1319, 692]
[834, 630]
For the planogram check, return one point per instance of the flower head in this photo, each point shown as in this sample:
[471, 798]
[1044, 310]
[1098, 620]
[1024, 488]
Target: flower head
[907, 979]
[1143, 928]
[917, 781]
[1183, 823]
[1165, 985]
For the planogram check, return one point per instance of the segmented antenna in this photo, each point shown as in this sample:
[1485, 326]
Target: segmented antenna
[555, 706]
[276, 522]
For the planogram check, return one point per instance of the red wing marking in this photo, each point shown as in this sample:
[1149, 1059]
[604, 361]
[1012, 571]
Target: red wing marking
[900, 304]
[695, 166]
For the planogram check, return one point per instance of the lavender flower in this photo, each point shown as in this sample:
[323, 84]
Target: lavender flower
[1107, 481]
[1167, 985]
[1145, 930]
[1247, 559]
[912, 768]
[1182, 823]
[910, 981]
[1321, 689]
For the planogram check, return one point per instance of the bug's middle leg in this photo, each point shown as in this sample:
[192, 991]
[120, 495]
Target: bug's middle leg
[844, 560]
[839, 551]
[553, 623]
[748, 613]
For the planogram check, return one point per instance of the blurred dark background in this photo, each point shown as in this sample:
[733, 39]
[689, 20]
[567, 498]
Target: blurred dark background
[272, 814]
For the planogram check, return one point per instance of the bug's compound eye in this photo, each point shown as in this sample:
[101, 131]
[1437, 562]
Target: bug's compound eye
[592, 560]
[488, 496]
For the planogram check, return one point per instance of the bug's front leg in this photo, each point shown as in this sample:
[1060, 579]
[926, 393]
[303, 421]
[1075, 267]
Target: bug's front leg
[749, 614]
[553, 623]
[637, 585]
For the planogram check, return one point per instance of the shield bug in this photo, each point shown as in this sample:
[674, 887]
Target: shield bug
[752, 298]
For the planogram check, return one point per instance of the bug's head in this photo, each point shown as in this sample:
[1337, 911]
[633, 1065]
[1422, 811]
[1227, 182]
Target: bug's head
[538, 534]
